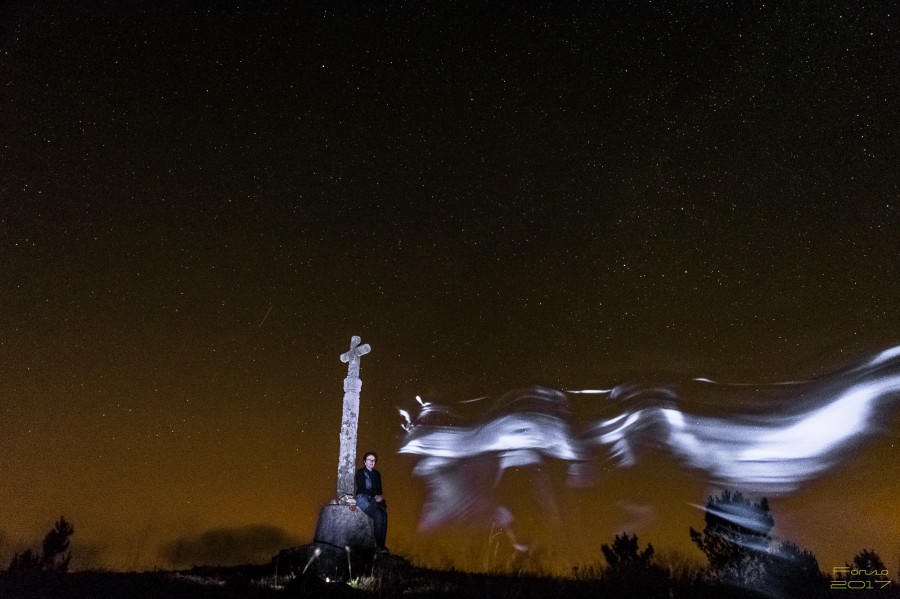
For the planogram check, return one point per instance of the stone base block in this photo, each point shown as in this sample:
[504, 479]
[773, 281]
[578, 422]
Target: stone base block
[345, 526]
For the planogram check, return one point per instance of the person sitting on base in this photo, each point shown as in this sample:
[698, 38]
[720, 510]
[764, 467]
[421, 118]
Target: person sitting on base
[370, 497]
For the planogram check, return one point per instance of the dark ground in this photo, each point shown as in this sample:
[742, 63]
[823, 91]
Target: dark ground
[393, 576]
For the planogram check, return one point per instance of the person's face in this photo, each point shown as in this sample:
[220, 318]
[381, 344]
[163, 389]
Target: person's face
[370, 462]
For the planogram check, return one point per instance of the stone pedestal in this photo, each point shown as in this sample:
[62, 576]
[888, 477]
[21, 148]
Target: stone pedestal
[345, 526]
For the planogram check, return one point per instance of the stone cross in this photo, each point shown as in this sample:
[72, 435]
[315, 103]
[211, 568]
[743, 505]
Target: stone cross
[350, 421]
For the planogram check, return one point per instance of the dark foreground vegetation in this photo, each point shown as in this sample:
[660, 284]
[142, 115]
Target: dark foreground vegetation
[395, 577]
[743, 562]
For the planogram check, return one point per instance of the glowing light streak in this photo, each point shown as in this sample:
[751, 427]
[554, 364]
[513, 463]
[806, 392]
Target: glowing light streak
[775, 452]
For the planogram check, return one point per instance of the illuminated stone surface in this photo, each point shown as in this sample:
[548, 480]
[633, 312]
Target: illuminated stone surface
[349, 421]
[345, 526]
[341, 524]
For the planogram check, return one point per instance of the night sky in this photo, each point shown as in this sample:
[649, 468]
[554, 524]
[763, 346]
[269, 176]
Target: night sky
[200, 204]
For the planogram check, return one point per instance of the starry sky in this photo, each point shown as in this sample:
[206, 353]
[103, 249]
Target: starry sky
[200, 203]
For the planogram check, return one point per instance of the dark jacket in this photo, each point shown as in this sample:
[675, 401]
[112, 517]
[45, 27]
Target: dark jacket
[374, 476]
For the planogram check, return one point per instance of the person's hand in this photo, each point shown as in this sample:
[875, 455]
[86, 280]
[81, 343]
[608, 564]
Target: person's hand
[379, 498]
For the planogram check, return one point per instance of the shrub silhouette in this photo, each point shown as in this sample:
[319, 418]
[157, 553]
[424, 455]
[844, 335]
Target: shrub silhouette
[624, 554]
[629, 568]
[27, 563]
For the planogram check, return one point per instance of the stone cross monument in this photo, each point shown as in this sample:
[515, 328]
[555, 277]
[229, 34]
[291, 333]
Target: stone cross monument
[341, 523]
[350, 421]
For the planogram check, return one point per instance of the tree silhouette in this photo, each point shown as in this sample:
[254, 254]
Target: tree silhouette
[794, 572]
[736, 538]
[867, 567]
[55, 558]
[868, 560]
